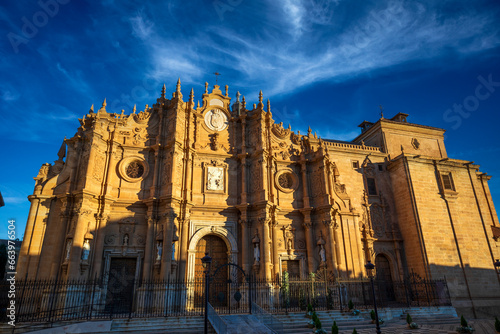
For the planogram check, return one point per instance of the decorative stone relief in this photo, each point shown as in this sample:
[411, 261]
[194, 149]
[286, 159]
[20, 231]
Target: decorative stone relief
[216, 120]
[133, 169]
[281, 132]
[286, 180]
[215, 178]
[415, 143]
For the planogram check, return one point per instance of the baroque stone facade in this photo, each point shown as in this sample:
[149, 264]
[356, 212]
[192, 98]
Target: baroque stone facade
[152, 186]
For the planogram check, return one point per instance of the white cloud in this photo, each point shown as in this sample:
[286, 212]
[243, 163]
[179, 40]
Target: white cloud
[271, 60]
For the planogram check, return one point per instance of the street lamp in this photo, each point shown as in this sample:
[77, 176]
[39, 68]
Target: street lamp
[369, 269]
[206, 261]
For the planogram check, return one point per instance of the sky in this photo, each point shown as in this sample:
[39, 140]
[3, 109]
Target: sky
[324, 64]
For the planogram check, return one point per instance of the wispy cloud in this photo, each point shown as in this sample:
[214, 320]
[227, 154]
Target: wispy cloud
[379, 38]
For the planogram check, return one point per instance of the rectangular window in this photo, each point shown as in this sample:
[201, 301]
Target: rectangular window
[355, 164]
[372, 188]
[447, 181]
[381, 168]
[292, 267]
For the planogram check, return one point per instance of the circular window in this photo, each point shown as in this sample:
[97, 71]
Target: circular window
[286, 180]
[133, 169]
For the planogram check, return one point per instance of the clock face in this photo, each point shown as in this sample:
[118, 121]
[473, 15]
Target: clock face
[216, 120]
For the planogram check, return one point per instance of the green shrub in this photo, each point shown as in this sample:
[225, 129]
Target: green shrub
[409, 320]
[314, 318]
[497, 324]
[354, 331]
[309, 308]
[463, 322]
[350, 304]
[335, 328]
[372, 315]
[317, 324]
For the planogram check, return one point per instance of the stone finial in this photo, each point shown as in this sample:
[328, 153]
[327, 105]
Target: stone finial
[163, 91]
[91, 111]
[227, 88]
[238, 96]
[243, 102]
[103, 108]
[198, 104]
[62, 151]
[134, 109]
[309, 131]
[178, 86]
[206, 87]
[191, 96]
[260, 97]
[268, 105]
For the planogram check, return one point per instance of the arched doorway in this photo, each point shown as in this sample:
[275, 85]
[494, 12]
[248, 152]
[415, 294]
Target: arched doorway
[384, 277]
[215, 247]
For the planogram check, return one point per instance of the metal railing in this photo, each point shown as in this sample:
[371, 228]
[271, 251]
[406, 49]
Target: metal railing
[267, 319]
[217, 322]
[51, 301]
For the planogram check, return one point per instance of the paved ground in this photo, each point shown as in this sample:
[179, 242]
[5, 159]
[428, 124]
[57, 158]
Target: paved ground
[482, 326]
[244, 324]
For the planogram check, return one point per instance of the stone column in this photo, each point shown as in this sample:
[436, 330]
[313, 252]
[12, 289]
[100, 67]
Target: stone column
[99, 245]
[245, 250]
[332, 241]
[77, 247]
[359, 248]
[150, 248]
[275, 256]
[168, 222]
[184, 224]
[24, 253]
[265, 258]
[307, 224]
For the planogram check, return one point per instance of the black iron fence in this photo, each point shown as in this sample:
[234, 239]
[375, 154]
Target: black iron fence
[50, 301]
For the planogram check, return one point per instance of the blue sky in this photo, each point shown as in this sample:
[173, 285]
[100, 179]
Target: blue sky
[327, 64]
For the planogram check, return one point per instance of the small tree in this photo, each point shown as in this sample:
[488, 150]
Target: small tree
[315, 318]
[354, 331]
[497, 325]
[350, 304]
[463, 322]
[372, 315]
[409, 320]
[335, 328]
[317, 324]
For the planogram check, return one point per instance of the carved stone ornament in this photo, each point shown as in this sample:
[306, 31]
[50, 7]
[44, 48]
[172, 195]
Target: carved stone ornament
[279, 131]
[133, 169]
[415, 143]
[216, 120]
[286, 180]
[215, 178]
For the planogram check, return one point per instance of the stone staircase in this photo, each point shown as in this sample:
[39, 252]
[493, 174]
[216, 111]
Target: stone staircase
[297, 322]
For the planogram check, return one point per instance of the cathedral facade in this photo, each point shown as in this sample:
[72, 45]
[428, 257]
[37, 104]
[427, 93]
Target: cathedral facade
[150, 192]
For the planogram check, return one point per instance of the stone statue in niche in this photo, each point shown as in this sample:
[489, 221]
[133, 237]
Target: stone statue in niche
[256, 248]
[68, 249]
[125, 240]
[159, 249]
[289, 234]
[322, 253]
[86, 250]
[215, 178]
[173, 251]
